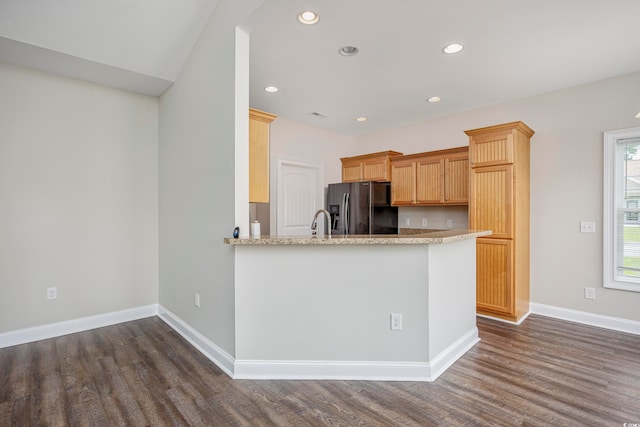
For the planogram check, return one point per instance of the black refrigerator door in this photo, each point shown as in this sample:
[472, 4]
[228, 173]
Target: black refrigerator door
[384, 217]
[360, 208]
[337, 198]
[363, 207]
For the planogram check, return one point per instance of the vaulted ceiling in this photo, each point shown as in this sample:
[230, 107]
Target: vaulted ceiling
[512, 49]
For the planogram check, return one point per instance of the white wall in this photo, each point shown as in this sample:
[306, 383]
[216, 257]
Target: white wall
[318, 322]
[294, 141]
[306, 144]
[78, 199]
[334, 302]
[566, 181]
[197, 207]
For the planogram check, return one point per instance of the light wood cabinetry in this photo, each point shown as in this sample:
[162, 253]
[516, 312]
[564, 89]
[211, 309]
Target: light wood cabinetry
[259, 123]
[368, 167]
[403, 182]
[432, 178]
[494, 276]
[491, 206]
[499, 201]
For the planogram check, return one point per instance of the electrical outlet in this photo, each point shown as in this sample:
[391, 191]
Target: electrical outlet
[587, 227]
[196, 299]
[449, 223]
[396, 322]
[425, 223]
[52, 293]
[407, 221]
[589, 293]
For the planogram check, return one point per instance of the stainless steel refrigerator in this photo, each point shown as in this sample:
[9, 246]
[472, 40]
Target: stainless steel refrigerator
[362, 208]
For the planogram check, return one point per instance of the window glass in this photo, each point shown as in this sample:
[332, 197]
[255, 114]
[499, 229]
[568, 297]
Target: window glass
[621, 229]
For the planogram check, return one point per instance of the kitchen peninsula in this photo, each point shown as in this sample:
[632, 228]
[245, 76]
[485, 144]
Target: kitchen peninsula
[322, 307]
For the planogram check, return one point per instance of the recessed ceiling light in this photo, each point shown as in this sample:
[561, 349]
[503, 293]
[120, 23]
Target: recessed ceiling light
[271, 89]
[308, 17]
[452, 48]
[348, 50]
[434, 99]
[361, 119]
[638, 116]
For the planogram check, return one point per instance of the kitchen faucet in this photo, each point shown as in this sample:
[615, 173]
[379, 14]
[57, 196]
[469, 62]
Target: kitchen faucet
[314, 224]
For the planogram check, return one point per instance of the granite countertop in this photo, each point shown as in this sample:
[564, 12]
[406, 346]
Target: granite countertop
[421, 237]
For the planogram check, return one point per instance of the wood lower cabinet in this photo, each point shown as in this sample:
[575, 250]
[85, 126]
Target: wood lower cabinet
[499, 201]
[431, 178]
[494, 278]
[259, 124]
[368, 167]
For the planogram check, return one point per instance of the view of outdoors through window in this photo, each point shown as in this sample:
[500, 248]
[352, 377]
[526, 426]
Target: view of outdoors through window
[628, 215]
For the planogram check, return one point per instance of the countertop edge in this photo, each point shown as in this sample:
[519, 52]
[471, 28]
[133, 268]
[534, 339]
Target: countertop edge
[437, 237]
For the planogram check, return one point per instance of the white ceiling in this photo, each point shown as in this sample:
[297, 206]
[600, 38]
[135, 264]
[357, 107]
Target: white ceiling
[513, 49]
[137, 45]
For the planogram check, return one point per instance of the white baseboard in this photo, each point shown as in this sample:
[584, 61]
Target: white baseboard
[331, 370]
[214, 353]
[599, 320]
[454, 352]
[354, 370]
[37, 333]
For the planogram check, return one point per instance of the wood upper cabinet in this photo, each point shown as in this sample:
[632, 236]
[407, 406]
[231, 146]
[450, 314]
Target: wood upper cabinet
[352, 170]
[456, 169]
[429, 180]
[496, 145]
[403, 182]
[259, 123]
[432, 178]
[499, 201]
[368, 167]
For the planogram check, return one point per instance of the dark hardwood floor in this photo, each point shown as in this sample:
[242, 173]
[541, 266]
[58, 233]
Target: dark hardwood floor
[545, 372]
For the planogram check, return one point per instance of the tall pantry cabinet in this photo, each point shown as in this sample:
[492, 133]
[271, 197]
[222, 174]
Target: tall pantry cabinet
[499, 201]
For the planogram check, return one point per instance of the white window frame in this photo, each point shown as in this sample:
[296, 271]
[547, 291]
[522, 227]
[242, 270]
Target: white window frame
[611, 278]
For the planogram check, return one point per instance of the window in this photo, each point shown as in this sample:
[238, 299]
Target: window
[621, 225]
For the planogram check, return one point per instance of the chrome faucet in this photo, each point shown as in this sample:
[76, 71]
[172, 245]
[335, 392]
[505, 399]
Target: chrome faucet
[314, 224]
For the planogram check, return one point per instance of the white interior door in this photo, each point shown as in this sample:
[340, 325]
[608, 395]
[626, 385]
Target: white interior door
[300, 195]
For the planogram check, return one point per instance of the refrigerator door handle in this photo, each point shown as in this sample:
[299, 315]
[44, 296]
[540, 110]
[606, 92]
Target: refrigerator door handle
[343, 213]
[347, 214]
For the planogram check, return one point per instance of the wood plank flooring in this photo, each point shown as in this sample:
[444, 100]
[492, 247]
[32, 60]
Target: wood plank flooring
[545, 372]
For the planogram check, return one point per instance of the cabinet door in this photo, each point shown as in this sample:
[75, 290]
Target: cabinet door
[491, 149]
[258, 161]
[351, 171]
[494, 275]
[403, 183]
[491, 201]
[456, 181]
[430, 181]
[375, 169]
